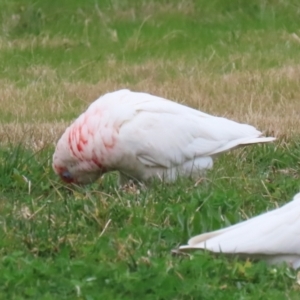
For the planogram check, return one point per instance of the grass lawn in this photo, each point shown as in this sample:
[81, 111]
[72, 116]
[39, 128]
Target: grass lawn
[230, 58]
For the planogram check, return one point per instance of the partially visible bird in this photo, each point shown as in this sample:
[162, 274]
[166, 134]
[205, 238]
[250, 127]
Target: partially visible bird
[143, 136]
[273, 236]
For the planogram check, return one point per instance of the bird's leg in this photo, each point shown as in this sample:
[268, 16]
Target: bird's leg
[123, 179]
[126, 182]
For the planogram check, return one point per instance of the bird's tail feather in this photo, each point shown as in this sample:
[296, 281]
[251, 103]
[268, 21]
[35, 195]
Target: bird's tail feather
[258, 140]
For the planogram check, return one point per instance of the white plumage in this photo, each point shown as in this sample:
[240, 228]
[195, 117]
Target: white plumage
[144, 136]
[273, 236]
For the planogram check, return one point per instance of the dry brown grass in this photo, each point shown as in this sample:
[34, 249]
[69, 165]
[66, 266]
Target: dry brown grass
[43, 41]
[32, 135]
[38, 113]
[33, 102]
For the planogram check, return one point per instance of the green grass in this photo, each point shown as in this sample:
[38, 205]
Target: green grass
[232, 58]
[96, 242]
[139, 32]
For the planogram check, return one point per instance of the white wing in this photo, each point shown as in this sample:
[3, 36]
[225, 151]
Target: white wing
[275, 233]
[164, 133]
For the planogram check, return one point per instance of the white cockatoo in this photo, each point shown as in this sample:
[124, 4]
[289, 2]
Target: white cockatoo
[143, 136]
[273, 236]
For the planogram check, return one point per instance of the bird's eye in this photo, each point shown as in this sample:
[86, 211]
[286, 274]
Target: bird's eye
[66, 176]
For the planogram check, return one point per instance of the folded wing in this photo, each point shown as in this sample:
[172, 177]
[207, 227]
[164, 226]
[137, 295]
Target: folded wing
[165, 133]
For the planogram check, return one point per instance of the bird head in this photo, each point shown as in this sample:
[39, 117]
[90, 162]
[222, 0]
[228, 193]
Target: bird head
[81, 169]
[76, 175]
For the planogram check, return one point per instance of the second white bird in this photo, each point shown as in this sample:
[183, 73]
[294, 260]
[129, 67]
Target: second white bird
[273, 236]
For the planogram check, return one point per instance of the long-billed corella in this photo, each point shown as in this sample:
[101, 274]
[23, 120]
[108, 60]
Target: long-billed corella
[273, 236]
[143, 136]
